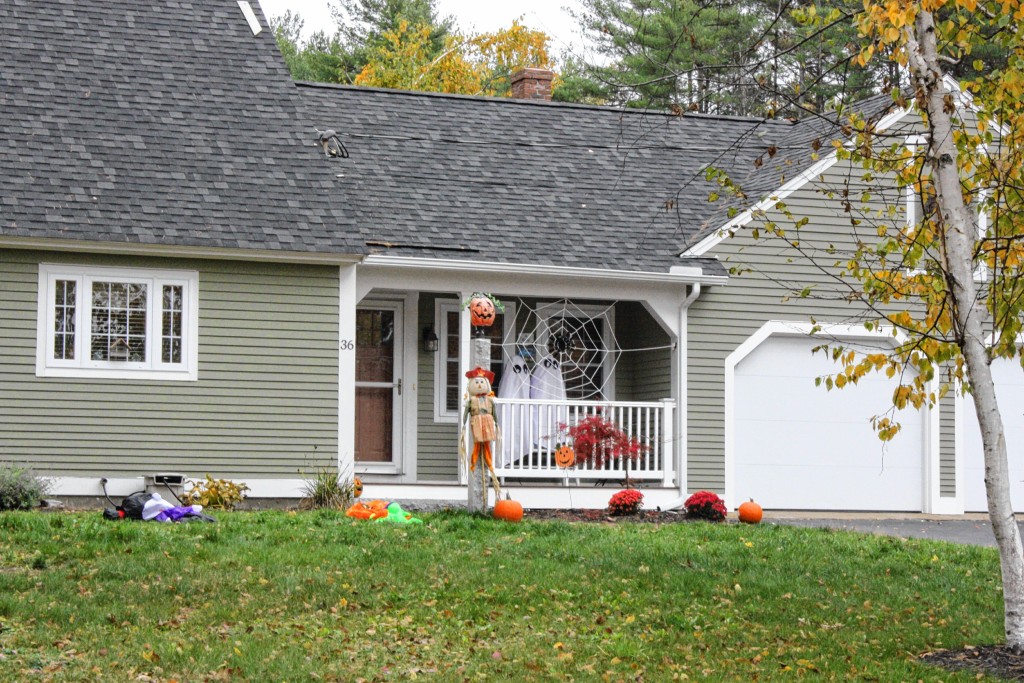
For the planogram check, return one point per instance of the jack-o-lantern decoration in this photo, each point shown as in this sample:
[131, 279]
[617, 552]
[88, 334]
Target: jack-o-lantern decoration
[481, 311]
[357, 487]
[565, 456]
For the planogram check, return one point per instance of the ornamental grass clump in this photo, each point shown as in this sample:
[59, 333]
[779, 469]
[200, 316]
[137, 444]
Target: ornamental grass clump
[20, 489]
[705, 505]
[626, 502]
[326, 490]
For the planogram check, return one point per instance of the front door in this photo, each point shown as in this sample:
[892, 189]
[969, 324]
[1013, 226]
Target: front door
[378, 383]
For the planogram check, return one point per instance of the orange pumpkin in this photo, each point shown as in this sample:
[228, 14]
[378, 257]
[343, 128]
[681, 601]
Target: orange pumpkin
[565, 456]
[508, 510]
[481, 311]
[357, 487]
[751, 512]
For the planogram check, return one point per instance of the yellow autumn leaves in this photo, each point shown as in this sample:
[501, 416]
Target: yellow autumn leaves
[468, 65]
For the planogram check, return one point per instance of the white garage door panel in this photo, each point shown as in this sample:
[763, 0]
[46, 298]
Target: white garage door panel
[798, 446]
[1009, 379]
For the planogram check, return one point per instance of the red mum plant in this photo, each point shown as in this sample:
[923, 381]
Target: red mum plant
[705, 505]
[597, 440]
[626, 502]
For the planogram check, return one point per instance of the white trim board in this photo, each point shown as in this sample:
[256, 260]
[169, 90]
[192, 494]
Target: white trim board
[931, 499]
[685, 275]
[537, 497]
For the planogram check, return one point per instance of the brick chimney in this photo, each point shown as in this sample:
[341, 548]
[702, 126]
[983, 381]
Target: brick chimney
[532, 84]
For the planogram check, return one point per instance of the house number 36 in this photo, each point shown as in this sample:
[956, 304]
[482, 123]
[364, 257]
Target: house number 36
[347, 345]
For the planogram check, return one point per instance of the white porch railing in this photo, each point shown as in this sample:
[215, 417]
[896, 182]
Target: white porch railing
[531, 431]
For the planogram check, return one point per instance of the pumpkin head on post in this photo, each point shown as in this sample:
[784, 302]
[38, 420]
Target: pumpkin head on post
[483, 308]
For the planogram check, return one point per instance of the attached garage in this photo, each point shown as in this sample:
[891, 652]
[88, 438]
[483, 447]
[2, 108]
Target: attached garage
[796, 446]
[1009, 379]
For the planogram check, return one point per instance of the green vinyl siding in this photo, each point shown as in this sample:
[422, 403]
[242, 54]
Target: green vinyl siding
[265, 403]
[437, 455]
[723, 317]
[644, 368]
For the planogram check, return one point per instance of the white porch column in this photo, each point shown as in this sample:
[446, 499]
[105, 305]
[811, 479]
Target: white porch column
[347, 300]
[465, 343]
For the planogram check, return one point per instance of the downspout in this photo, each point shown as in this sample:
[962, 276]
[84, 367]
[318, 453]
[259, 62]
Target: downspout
[682, 407]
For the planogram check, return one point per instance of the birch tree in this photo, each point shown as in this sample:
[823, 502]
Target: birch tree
[950, 280]
[962, 164]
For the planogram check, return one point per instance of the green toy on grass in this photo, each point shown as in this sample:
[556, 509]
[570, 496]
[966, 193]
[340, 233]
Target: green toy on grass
[396, 515]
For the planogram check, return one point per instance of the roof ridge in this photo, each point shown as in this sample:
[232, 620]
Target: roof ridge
[540, 103]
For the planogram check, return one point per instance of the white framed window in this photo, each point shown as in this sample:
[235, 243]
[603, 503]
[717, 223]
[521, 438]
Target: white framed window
[449, 385]
[117, 323]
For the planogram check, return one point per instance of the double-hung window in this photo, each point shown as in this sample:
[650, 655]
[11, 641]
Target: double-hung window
[117, 323]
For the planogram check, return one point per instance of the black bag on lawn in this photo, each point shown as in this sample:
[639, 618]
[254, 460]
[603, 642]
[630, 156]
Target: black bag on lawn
[133, 504]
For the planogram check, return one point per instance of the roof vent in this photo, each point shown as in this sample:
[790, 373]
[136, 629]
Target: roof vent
[250, 17]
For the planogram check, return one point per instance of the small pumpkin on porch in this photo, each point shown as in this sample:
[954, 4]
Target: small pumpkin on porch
[565, 456]
[750, 512]
[357, 487]
[508, 510]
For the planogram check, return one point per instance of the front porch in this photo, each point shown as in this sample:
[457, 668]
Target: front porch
[616, 345]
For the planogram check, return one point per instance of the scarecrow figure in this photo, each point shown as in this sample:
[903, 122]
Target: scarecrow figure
[480, 415]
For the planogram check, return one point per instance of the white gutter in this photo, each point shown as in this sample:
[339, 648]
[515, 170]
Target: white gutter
[689, 275]
[682, 405]
[164, 250]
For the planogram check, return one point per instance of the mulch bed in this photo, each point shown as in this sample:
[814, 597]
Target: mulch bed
[998, 661]
[644, 516]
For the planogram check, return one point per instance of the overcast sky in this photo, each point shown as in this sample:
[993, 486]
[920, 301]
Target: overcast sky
[477, 16]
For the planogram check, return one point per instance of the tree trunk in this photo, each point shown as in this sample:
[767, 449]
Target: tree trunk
[959, 234]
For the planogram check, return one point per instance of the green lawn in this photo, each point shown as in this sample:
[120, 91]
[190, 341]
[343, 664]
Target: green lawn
[275, 596]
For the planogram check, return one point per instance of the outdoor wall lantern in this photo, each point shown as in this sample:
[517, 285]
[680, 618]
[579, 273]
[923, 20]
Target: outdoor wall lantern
[429, 340]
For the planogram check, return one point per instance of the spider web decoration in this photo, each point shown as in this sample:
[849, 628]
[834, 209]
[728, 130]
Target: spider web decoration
[578, 342]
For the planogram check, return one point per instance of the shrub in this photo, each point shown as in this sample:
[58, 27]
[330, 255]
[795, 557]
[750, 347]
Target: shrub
[626, 502]
[20, 489]
[327, 490]
[217, 494]
[596, 439]
[705, 505]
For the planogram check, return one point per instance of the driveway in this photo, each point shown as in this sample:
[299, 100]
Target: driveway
[970, 529]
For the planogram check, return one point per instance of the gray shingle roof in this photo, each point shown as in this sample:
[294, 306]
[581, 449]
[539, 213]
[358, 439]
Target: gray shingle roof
[171, 124]
[156, 123]
[529, 182]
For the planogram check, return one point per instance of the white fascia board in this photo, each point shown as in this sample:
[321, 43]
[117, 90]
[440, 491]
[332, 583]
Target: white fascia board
[684, 276]
[822, 165]
[727, 230]
[175, 251]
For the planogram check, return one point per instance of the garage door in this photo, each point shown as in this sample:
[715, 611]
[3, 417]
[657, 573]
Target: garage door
[1009, 379]
[800, 447]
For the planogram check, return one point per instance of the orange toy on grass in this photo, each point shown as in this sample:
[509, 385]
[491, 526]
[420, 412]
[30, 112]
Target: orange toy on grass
[375, 509]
